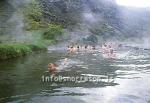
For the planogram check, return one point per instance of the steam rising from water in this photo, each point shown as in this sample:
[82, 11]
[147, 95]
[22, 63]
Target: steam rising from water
[13, 23]
[18, 3]
[89, 19]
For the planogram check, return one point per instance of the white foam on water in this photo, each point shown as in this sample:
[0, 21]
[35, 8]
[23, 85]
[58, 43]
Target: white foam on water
[67, 63]
[123, 55]
[132, 65]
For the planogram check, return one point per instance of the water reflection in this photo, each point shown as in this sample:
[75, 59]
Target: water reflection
[123, 80]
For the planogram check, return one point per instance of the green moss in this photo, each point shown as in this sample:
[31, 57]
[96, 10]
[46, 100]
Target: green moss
[52, 32]
[34, 47]
[33, 15]
[8, 51]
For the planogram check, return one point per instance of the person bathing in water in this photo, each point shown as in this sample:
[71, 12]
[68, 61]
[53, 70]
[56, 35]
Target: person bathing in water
[74, 48]
[52, 67]
[105, 48]
[86, 47]
[112, 54]
[77, 48]
[93, 47]
[71, 49]
[108, 51]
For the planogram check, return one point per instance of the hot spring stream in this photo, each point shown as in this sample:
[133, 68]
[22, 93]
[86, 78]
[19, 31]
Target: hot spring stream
[123, 80]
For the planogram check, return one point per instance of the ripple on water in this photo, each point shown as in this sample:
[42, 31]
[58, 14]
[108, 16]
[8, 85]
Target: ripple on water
[132, 65]
[130, 80]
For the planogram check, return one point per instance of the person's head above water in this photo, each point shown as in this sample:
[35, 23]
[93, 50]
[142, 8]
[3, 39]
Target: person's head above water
[71, 47]
[86, 46]
[52, 66]
[109, 46]
[105, 45]
[93, 47]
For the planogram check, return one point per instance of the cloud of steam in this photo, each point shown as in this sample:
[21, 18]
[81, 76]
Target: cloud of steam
[131, 20]
[15, 23]
[18, 3]
[136, 26]
[88, 19]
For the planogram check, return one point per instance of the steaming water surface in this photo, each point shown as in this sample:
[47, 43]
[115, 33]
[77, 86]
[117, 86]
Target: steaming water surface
[124, 80]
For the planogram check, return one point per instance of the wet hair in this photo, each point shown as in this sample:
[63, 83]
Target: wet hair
[50, 64]
[105, 45]
[86, 47]
[93, 47]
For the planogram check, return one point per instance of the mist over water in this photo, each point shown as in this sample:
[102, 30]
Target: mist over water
[123, 79]
[128, 23]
